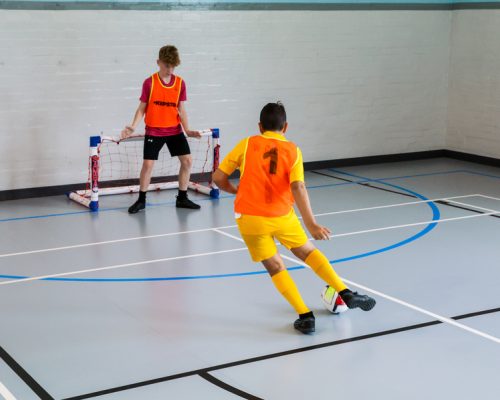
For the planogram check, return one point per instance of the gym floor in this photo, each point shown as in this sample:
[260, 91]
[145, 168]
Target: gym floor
[167, 304]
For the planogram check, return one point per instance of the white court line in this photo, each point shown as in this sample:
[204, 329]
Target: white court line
[390, 227]
[397, 205]
[393, 299]
[76, 246]
[473, 206]
[377, 293]
[437, 221]
[489, 197]
[227, 234]
[413, 307]
[83, 271]
[424, 311]
[34, 278]
[6, 394]
[220, 227]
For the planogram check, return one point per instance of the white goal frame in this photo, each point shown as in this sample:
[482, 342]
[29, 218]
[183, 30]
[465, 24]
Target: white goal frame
[89, 197]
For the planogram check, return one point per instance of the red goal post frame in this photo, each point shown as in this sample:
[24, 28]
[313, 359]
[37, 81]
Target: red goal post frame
[90, 197]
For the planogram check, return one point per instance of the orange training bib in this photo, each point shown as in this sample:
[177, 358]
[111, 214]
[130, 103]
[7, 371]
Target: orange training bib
[162, 110]
[264, 188]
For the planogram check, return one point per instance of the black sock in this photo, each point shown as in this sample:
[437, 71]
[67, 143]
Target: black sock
[306, 315]
[183, 194]
[142, 197]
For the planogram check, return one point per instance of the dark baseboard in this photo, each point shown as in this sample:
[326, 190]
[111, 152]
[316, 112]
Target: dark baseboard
[45, 191]
[17, 194]
[495, 162]
[350, 162]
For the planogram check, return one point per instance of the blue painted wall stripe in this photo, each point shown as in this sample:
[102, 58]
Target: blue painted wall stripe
[242, 5]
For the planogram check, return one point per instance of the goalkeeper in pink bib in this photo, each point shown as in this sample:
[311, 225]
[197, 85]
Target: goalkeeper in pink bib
[162, 106]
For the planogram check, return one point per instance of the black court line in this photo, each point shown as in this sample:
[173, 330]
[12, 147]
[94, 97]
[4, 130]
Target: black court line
[442, 202]
[27, 378]
[466, 208]
[44, 395]
[476, 314]
[223, 385]
[364, 184]
[276, 355]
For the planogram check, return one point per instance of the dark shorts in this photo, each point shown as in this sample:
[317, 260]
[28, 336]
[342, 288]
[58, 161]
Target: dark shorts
[177, 146]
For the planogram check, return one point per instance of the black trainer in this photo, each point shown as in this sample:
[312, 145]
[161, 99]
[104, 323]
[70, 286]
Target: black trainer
[136, 207]
[355, 300]
[186, 203]
[306, 323]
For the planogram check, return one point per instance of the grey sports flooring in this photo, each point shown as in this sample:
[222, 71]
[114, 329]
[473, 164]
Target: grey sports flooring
[167, 304]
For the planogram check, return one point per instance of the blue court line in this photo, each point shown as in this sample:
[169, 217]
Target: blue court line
[482, 174]
[50, 215]
[435, 217]
[365, 180]
[101, 210]
[172, 278]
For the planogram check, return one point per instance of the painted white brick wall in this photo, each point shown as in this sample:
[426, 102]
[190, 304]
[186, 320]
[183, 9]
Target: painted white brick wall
[474, 105]
[355, 83]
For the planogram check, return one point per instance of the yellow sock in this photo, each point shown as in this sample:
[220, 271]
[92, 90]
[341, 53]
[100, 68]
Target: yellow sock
[286, 286]
[321, 266]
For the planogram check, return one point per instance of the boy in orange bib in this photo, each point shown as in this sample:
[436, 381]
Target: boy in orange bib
[271, 180]
[162, 104]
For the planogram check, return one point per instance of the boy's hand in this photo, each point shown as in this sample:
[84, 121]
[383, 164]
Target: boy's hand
[127, 131]
[195, 134]
[319, 232]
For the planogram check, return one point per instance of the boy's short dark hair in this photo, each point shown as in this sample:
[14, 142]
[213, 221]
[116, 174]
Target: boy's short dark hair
[169, 55]
[273, 116]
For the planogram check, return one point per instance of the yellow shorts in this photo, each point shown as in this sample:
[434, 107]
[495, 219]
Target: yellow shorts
[259, 234]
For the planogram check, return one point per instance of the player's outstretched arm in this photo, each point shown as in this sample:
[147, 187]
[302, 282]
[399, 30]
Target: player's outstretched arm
[185, 122]
[221, 179]
[301, 197]
[139, 114]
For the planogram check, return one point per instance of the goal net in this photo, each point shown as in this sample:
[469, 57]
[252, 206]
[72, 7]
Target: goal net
[115, 165]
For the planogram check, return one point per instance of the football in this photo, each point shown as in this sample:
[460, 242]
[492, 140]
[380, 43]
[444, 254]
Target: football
[332, 301]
